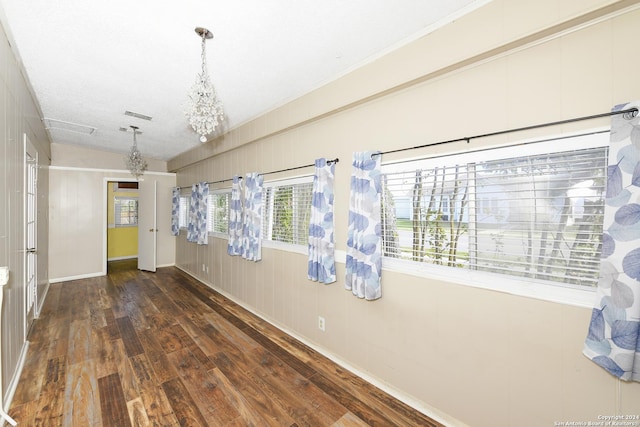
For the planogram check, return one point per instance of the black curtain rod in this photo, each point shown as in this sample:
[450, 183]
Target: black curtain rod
[628, 114]
[336, 160]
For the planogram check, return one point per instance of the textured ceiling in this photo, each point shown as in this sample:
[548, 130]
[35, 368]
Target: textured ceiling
[90, 61]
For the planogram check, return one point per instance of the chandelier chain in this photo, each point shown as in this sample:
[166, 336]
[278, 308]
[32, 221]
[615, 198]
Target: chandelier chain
[203, 55]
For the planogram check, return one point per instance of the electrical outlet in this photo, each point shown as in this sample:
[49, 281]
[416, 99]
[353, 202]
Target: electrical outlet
[203, 269]
[321, 323]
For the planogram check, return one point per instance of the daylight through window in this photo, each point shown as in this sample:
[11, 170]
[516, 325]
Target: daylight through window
[126, 211]
[286, 210]
[183, 210]
[538, 216]
[218, 211]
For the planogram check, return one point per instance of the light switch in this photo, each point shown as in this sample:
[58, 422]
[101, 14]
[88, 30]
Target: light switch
[4, 275]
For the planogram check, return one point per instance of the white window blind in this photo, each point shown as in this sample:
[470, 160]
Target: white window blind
[218, 212]
[538, 216]
[183, 211]
[126, 211]
[286, 211]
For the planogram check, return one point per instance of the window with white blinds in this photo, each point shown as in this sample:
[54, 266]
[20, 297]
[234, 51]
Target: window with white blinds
[183, 210]
[538, 216]
[286, 211]
[126, 211]
[218, 211]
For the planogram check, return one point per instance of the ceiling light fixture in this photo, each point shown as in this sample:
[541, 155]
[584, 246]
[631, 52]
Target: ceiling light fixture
[204, 109]
[134, 161]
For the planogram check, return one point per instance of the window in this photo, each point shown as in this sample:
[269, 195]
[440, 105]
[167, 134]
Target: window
[218, 211]
[183, 211]
[126, 211]
[538, 216]
[286, 211]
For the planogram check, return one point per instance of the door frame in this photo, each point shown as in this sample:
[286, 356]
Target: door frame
[105, 207]
[30, 313]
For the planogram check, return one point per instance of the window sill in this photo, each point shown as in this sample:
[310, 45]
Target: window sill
[269, 244]
[524, 287]
[495, 282]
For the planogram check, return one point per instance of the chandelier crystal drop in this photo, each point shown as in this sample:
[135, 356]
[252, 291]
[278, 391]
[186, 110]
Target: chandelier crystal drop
[134, 160]
[203, 108]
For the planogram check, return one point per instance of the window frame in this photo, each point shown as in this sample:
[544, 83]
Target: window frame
[117, 214]
[521, 286]
[211, 212]
[286, 246]
[183, 209]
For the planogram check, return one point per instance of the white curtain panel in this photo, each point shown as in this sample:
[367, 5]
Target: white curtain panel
[364, 234]
[613, 340]
[234, 245]
[197, 226]
[322, 266]
[252, 217]
[175, 212]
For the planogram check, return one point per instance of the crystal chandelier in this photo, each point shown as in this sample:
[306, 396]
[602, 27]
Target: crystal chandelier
[203, 108]
[134, 161]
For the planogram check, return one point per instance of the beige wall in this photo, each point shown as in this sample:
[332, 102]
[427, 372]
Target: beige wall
[19, 115]
[77, 209]
[81, 157]
[482, 357]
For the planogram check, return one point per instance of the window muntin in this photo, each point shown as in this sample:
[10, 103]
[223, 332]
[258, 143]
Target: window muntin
[126, 211]
[287, 210]
[537, 216]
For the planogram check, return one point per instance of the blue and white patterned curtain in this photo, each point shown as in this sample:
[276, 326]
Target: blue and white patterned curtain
[252, 217]
[613, 341]
[175, 212]
[322, 266]
[197, 226]
[234, 245]
[364, 236]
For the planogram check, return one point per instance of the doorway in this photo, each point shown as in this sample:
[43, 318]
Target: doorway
[122, 221]
[121, 195]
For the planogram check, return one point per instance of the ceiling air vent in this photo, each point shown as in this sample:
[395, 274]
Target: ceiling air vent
[137, 115]
[53, 124]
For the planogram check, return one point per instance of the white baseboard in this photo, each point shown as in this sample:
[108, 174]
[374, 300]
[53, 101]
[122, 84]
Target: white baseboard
[173, 264]
[13, 384]
[90, 275]
[429, 411]
[119, 258]
[41, 299]
[81, 276]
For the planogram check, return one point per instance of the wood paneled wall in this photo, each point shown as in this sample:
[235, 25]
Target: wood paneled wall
[19, 115]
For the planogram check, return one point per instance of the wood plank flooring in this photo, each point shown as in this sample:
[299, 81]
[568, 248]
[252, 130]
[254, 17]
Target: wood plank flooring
[161, 349]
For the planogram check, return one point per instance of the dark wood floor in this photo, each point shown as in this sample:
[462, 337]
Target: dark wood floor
[161, 349]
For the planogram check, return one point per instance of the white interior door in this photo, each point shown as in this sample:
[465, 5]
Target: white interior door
[30, 230]
[147, 225]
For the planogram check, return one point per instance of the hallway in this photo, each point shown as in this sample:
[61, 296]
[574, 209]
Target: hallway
[137, 348]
